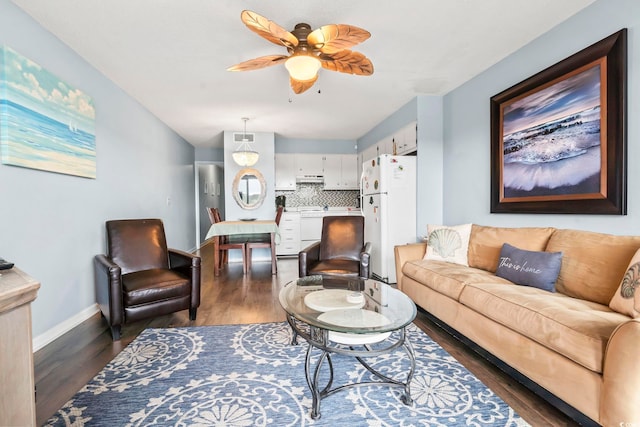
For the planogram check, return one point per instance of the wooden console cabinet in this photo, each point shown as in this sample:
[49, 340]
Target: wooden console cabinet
[17, 387]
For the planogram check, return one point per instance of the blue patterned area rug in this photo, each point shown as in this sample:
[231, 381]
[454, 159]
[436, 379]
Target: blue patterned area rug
[245, 375]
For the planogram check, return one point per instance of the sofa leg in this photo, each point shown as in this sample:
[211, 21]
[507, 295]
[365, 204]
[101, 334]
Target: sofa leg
[115, 332]
[192, 313]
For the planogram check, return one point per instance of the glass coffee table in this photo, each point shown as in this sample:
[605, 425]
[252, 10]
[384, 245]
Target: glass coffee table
[354, 317]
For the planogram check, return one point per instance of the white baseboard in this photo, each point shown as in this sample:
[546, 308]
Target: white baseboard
[64, 327]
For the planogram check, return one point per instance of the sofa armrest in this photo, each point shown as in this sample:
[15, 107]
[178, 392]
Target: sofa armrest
[620, 401]
[108, 277]
[404, 253]
[365, 261]
[189, 265]
[307, 257]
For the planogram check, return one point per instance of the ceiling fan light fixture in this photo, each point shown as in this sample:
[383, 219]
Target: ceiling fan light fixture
[302, 67]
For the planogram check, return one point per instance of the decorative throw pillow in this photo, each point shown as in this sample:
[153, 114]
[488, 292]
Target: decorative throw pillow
[626, 300]
[529, 268]
[449, 244]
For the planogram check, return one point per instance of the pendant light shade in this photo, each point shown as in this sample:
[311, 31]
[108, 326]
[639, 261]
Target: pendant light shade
[244, 156]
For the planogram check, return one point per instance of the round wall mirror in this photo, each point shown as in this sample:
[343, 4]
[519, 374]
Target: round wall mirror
[249, 188]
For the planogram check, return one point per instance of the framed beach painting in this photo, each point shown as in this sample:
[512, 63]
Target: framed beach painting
[45, 123]
[558, 139]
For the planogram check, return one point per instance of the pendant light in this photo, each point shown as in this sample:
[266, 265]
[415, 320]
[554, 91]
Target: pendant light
[244, 156]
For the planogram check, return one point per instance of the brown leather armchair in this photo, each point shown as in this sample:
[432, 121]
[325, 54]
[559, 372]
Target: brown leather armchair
[341, 251]
[141, 278]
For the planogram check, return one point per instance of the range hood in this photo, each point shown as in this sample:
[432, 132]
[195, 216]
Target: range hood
[310, 179]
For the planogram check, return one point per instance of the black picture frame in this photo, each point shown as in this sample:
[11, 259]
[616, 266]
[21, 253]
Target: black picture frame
[562, 165]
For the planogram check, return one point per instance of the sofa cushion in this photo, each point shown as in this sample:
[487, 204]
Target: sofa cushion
[529, 268]
[449, 244]
[447, 278]
[626, 299]
[593, 264]
[486, 242]
[575, 328]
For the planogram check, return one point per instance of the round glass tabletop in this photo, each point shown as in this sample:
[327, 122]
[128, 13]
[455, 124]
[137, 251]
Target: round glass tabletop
[355, 306]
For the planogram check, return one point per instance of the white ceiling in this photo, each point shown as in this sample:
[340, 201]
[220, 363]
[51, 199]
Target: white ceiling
[172, 56]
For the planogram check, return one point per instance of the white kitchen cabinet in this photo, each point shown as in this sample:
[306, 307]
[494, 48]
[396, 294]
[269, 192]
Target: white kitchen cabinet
[308, 164]
[406, 139]
[332, 171]
[289, 234]
[341, 172]
[310, 230]
[285, 172]
[402, 141]
[350, 175]
[386, 145]
[360, 159]
[370, 153]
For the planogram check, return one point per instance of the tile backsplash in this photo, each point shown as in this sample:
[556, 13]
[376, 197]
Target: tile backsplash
[315, 195]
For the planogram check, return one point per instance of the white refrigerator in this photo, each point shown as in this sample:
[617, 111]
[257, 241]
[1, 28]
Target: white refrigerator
[388, 191]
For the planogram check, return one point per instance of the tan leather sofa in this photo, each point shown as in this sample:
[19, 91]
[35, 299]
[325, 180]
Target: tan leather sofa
[569, 342]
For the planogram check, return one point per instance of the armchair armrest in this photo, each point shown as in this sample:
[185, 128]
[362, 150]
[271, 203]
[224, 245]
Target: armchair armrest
[365, 258]
[188, 265]
[108, 276]
[620, 401]
[307, 257]
[404, 253]
[178, 258]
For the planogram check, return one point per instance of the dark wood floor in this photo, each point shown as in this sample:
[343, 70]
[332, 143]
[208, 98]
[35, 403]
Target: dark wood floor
[68, 363]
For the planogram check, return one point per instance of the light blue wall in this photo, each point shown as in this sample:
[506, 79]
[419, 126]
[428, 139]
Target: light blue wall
[467, 133]
[401, 117]
[328, 146]
[264, 144]
[430, 171]
[209, 154]
[51, 225]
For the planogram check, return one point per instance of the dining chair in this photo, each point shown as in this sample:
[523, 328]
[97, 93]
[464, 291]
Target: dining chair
[227, 243]
[266, 240]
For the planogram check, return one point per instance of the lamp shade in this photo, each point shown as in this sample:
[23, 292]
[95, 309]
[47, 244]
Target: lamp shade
[302, 67]
[245, 157]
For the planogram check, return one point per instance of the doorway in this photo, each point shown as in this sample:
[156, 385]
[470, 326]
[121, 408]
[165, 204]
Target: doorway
[209, 186]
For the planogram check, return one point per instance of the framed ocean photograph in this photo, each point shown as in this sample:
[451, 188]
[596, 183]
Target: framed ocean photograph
[558, 139]
[45, 123]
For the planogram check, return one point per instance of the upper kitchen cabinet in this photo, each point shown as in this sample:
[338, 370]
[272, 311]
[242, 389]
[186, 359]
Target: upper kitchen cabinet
[402, 141]
[384, 146]
[285, 172]
[406, 139]
[308, 164]
[340, 172]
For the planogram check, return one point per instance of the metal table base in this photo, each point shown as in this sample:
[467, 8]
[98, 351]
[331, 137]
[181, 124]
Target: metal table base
[318, 338]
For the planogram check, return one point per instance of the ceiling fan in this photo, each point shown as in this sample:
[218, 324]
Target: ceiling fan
[326, 47]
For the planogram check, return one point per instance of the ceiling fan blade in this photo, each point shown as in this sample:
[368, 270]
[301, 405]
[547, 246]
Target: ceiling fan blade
[336, 37]
[300, 86]
[348, 61]
[268, 29]
[256, 63]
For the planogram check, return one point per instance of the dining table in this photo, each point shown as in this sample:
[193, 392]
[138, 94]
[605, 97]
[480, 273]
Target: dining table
[232, 228]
